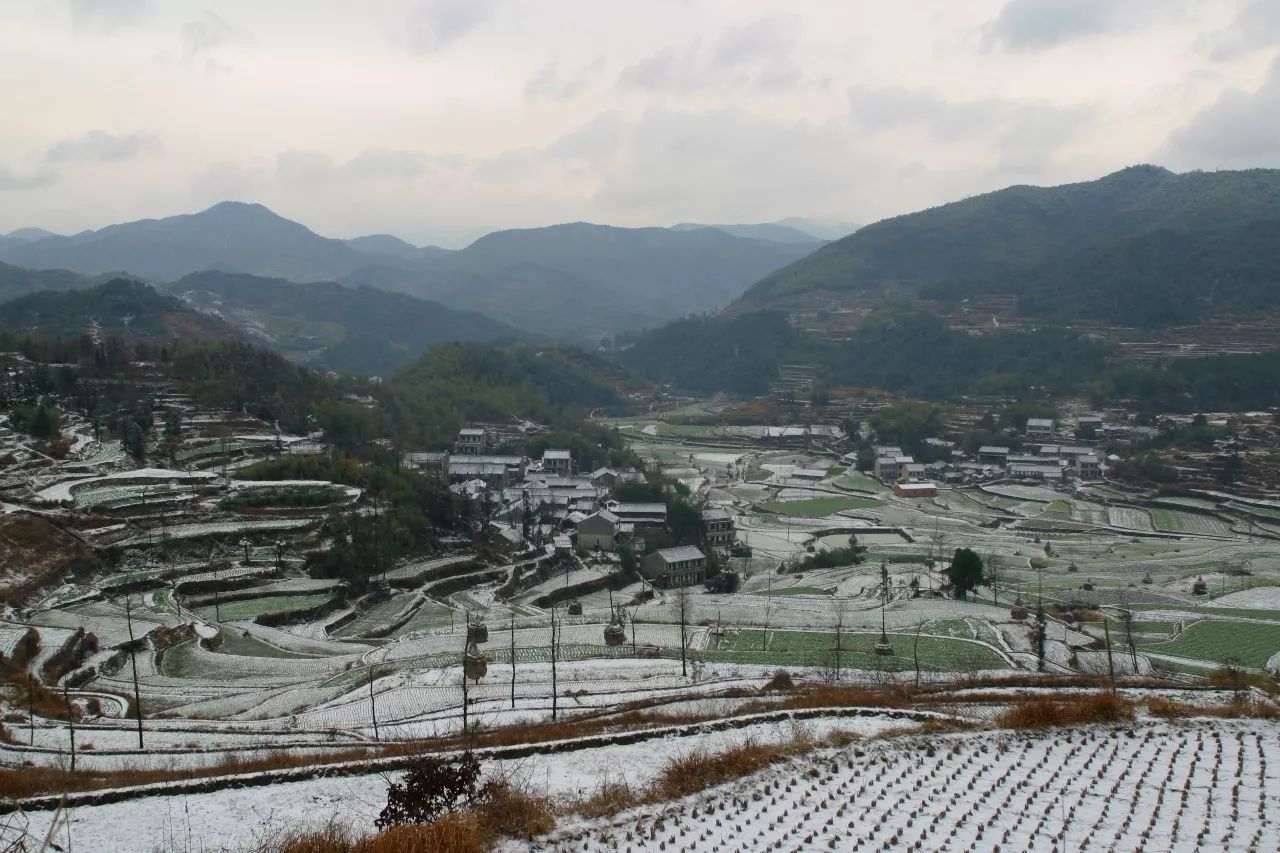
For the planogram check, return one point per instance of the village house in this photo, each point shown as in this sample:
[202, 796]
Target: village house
[1090, 424]
[890, 468]
[1089, 467]
[719, 525]
[1031, 471]
[915, 490]
[599, 531]
[673, 567]
[433, 462]
[1039, 429]
[557, 462]
[640, 514]
[992, 455]
[470, 442]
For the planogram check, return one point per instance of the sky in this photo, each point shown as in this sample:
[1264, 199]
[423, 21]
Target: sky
[440, 120]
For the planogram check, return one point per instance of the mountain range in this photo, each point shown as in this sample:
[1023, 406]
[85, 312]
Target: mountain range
[1143, 246]
[581, 281]
[326, 324]
[577, 281]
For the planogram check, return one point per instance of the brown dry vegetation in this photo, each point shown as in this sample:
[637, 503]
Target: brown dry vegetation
[34, 553]
[1241, 706]
[507, 813]
[1042, 712]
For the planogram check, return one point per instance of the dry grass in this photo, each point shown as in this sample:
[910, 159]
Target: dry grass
[508, 813]
[700, 770]
[1044, 712]
[1237, 707]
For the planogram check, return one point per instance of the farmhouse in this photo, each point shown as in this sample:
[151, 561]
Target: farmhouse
[719, 524]
[915, 490]
[991, 455]
[470, 442]
[599, 531]
[1026, 471]
[654, 515]
[890, 468]
[1039, 428]
[672, 567]
[1089, 467]
[557, 462]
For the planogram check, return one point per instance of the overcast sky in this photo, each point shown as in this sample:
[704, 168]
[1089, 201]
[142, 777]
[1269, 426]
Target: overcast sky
[436, 120]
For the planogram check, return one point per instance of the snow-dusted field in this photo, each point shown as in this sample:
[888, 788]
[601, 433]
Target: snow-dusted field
[1208, 786]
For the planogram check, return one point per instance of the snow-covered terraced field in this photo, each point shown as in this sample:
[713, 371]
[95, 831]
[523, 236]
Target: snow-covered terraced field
[1156, 787]
[1128, 517]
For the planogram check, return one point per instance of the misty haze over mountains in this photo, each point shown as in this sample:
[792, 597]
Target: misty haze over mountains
[578, 281]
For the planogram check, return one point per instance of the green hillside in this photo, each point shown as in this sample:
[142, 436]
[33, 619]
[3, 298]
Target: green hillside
[1079, 251]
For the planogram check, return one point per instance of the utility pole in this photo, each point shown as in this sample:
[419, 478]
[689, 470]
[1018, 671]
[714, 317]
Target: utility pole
[466, 698]
[513, 658]
[683, 597]
[71, 723]
[133, 660]
[373, 705]
[554, 640]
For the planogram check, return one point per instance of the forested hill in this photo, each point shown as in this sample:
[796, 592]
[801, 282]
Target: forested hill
[325, 324]
[121, 308]
[901, 351]
[1143, 246]
[16, 281]
[580, 281]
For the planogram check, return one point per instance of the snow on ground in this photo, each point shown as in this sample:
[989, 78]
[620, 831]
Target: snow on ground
[235, 819]
[1258, 598]
[1156, 787]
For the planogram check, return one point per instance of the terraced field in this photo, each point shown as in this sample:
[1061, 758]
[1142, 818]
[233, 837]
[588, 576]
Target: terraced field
[818, 507]
[1222, 641]
[1177, 521]
[1130, 517]
[234, 611]
[805, 648]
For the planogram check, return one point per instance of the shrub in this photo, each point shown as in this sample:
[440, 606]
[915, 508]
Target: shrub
[1046, 711]
[781, 681]
[432, 788]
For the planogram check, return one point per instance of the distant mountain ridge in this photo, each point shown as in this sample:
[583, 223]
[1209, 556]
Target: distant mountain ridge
[326, 324]
[1142, 246]
[578, 280]
[230, 235]
[120, 308]
[771, 231]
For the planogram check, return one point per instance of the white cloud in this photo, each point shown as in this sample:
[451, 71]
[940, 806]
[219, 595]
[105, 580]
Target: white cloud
[103, 147]
[1256, 27]
[108, 15]
[435, 24]
[1239, 130]
[374, 164]
[1037, 24]
[11, 180]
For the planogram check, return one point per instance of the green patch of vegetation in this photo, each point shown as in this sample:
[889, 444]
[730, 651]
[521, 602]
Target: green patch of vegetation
[857, 480]
[235, 611]
[1248, 643]
[806, 648]
[282, 496]
[795, 590]
[818, 507]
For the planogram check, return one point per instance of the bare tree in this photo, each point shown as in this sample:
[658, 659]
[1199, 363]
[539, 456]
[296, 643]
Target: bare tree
[915, 651]
[994, 576]
[841, 608]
